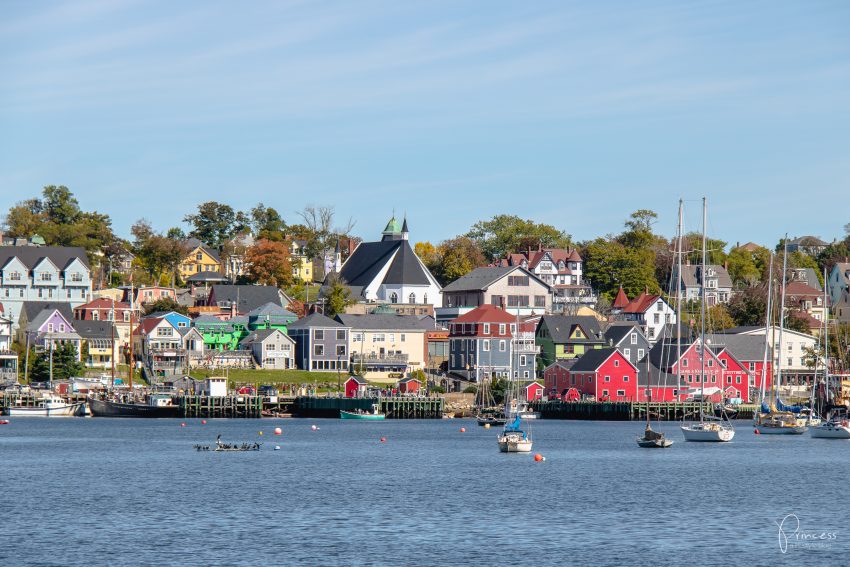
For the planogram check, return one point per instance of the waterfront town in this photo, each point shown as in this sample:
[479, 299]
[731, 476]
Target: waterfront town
[311, 309]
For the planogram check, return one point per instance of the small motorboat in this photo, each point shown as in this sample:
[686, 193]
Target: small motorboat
[374, 415]
[837, 427]
[653, 439]
[4, 422]
[708, 432]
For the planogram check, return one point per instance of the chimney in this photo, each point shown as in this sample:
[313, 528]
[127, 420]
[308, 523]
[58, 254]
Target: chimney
[233, 309]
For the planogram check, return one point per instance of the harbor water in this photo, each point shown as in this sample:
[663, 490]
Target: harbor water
[135, 492]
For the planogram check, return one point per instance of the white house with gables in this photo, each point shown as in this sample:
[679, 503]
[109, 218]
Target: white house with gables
[43, 273]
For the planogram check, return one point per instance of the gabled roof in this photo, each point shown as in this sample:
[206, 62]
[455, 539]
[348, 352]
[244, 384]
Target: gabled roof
[32, 308]
[148, 325]
[746, 348]
[94, 329]
[480, 279]
[691, 275]
[808, 241]
[565, 363]
[561, 327]
[195, 243]
[801, 289]
[250, 296]
[619, 331]
[359, 379]
[486, 314]
[102, 303]
[207, 276]
[271, 310]
[386, 322]
[30, 256]
[261, 335]
[315, 321]
[42, 317]
[369, 258]
[641, 303]
[594, 358]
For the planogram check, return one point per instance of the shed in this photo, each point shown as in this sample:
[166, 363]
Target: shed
[409, 385]
[216, 386]
[533, 391]
[355, 387]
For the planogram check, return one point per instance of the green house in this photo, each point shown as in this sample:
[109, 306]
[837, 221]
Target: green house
[221, 335]
[562, 337]
[270, 316]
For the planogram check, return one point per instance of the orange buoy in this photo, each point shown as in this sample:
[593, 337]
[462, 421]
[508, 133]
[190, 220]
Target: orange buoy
[463, 430]
[278, 430]
[383, 439]
[538, 457]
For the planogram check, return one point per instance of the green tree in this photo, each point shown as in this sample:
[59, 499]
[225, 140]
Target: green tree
[457, 257]
[427, 252]
[638, 233]
[165, 304]
[717, 318]
[609, 264]
[742, 268]
[214, 223]
[795, 322]
[337, 296]
[749, 307]
[504, 234]
[65, 364]
[267, 223]
[715, 249]
[158, 255]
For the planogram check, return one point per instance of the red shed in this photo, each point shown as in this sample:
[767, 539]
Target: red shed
[355, 387]
[533, 391]
[605, 374]
[409, 385]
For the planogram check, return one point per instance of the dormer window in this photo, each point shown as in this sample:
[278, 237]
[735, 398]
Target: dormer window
[46, 277]
[76, 277]
[15, 276]
[199, 256]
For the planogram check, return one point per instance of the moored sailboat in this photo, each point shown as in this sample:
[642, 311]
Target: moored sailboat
[513, 439]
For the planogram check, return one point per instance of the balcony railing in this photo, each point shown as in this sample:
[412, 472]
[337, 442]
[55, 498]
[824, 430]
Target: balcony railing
[379, 359]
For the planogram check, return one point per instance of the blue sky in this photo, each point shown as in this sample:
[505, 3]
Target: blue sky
[570, 113]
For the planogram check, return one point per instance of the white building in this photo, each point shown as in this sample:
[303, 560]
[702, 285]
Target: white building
[389, 271]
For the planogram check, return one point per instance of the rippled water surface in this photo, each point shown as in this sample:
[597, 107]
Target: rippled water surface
[135, 492]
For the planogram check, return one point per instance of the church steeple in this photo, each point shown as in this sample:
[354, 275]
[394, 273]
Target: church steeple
[404, 231]
[393, 230]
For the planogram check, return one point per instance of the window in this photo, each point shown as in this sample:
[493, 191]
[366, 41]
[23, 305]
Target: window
[790, 361]
[627, 352]
[496, 300]
[621, 393]
[502, 328]
[46, 276]
[393, 297]
[710, 363]
[378, 338]
[540, 301]
[95, 316]
[271, 346]
[340, 335]
[616, 364]
[684, 363]
[502, 346]
[15, 276]
[525, 374]
[411, 298]
[518, 281]
[340, 350]
[486, 328]
[76, 277]
[738, 379]
[517, 301]
[392, 338]
[50, 327]
[656, 318]
[164, 331]
[318, 334]
[425, 298]
[651, 332]
[126, 316]
[522, 360]
[357, 337]
[640, 354]
[485, 346]
[318, 350]
[607, 378]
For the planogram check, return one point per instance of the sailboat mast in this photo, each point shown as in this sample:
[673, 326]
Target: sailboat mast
[702, 314]
[825, 344]
[679, 300]
[777, 381]
[768, 320]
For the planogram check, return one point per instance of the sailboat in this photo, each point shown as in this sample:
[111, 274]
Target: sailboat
[837, 425]
[651, 439]
[487, 412]
[706, 429]
[771, 420]
[513, 439]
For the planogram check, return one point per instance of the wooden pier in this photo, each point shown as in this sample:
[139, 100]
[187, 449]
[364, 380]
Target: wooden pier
[399, 407]
[224, 406]
[621, 411]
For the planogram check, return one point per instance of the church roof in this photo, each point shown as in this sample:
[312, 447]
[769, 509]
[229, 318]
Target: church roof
[368, 259]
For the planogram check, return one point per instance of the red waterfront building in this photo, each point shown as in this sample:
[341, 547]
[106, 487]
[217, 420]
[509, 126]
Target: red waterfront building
[606, 375]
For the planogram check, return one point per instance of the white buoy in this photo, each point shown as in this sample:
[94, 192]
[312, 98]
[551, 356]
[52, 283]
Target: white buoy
[277, 447]
[314, 428]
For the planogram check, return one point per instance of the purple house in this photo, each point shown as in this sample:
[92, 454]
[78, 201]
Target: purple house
[50, 329]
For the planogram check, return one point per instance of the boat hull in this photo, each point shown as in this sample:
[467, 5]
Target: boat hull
[830, 431]
[653, 443]
[513, 443]
[68, 410]
[707, 435]
[361, 416]
[781, 430]
[104, 408]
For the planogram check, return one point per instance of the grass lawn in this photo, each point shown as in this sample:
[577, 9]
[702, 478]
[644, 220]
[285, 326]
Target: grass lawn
[325, 380]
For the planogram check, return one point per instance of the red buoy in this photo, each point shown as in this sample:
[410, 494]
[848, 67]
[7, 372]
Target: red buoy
[203, 422]
[383, 439]
[757, 432]
[538, 457]
[278, 430]
[463, 430]
[182, 425]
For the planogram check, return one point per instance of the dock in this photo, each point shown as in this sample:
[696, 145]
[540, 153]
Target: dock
[631, 411]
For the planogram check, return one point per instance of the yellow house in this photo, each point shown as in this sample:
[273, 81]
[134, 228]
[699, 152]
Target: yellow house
[302, 266]
[200, 259]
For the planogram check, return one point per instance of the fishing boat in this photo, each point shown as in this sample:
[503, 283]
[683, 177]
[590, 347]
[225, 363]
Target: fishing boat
[495, 417]
[156, 406]
[374, 415]
[708, 429]
[49, 406]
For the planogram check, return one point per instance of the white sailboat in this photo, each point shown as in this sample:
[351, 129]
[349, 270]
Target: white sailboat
[513, 439]
[706, 429]
[773, 421]
[837, 426]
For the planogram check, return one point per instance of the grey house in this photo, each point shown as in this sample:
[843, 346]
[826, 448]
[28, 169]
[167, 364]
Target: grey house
[628, 338]
[718, 284]
[321, 344]
[271, 348]
[512, 288]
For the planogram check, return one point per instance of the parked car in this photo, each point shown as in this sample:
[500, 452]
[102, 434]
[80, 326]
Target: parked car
[247, 390]
[266, 390]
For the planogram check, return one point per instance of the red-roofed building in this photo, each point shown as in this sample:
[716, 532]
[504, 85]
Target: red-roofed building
[652, 312]
[487, 342]
[808, 302]
[620, 302]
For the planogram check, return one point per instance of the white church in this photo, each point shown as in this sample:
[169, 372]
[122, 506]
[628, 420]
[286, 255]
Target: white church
[389, 271]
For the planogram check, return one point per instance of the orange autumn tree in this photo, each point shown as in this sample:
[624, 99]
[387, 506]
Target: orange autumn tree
[268, 263]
